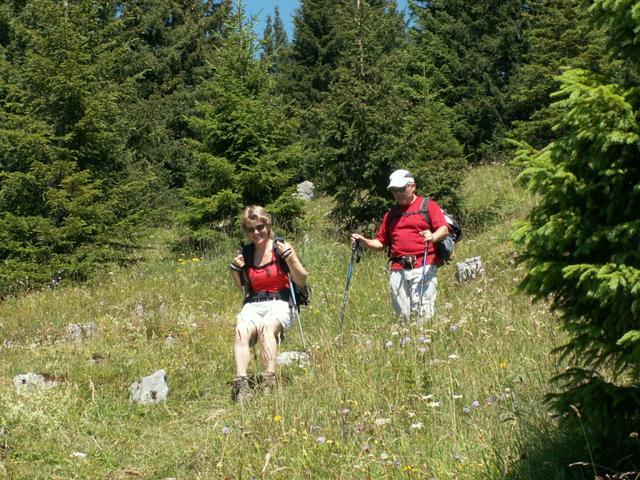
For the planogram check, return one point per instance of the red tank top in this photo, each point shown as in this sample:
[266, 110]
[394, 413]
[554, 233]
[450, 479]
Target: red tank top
[268, 278]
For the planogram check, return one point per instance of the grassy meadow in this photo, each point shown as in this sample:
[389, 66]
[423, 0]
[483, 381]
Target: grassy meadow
[461, 398]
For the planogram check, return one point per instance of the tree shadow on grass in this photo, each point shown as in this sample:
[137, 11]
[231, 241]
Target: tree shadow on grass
[570, 452]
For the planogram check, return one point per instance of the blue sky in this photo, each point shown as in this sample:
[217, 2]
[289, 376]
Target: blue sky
[262, 8]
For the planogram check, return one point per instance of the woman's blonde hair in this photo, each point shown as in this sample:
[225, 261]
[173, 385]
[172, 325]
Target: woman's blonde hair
[255, 213]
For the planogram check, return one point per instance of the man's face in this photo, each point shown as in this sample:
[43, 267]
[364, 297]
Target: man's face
[404, 195]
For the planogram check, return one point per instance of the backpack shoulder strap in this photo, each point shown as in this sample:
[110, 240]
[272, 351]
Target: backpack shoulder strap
[281, 261]
[424, 208]
[393, 217]
[248, 252]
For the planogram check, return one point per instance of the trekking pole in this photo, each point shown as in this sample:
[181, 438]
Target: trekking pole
[424, 271]
[296, 311]
[355, 257]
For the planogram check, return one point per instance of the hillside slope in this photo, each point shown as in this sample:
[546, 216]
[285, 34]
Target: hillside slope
[448, 401]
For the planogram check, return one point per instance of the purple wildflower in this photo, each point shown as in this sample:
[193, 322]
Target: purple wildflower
[320, 440]
[404, 341]
[226, 430]
[388, 344]
[466, 410]
[475, 404]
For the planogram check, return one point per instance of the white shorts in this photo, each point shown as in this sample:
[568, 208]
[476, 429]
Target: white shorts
[406, 286]
[265, 313]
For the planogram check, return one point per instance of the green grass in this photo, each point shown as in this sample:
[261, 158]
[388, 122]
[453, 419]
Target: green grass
[362, 410]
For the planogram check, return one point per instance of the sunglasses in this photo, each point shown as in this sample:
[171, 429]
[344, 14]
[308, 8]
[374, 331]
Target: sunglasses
[256, 228]
[398, 189]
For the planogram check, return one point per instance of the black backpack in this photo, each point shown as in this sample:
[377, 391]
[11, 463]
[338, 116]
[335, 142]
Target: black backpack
[302, 294]
[444, 247]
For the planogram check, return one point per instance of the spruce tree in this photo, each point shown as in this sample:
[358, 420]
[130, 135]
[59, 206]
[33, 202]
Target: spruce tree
[469, 50]
[558, 36]
[168, 46]
[279, 33]
[66, 197]
[275, 45]
[313, 56]
[267, 43]
[581, 243]
[378, 118]
[243, 149]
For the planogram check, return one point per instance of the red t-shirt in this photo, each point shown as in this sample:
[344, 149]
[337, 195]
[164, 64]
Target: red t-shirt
[268, 278]
[402, 233]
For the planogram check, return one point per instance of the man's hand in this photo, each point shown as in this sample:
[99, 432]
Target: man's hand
[427, 235]
[371, 244]
[437, 236]
[356, 238]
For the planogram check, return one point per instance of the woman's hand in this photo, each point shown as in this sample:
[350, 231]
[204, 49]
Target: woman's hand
[298, 272]
[235, 267]
[238, 261]
[285, 250]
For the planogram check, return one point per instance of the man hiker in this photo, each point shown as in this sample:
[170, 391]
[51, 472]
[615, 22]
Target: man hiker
[410, 238]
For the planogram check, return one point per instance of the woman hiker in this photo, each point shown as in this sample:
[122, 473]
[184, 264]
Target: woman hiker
[261, 272]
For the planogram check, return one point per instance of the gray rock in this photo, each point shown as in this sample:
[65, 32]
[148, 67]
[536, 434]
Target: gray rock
[151, 389]
[293, 358]
[79, 331]
[305, 190]
[26, 383]
[469, 269]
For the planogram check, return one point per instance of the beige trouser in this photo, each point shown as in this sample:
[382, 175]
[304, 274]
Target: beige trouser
[406, 286]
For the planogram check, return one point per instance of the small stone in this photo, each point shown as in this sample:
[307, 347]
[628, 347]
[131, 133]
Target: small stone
[79, 331]
[301, 359]
[305, 191]
[150, 390]
[26, 383]
[469, 269]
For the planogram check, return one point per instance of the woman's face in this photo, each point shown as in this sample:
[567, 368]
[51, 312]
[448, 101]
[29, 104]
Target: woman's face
[257, 231]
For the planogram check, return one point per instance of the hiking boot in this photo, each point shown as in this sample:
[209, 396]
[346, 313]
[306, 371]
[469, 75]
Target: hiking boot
[268, 382]
[241, 390]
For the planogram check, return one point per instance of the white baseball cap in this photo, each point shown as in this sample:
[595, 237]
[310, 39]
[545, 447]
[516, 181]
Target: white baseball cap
[400, 178]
